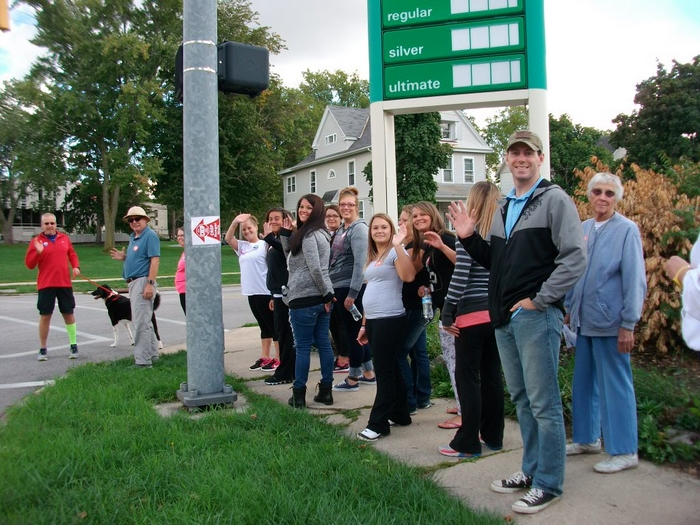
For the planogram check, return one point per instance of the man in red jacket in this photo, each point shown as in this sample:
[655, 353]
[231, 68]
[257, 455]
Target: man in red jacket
[51, 251]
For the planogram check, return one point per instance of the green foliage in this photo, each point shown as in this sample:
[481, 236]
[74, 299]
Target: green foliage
[419, 155]
[497, 130]
[667, 122]
[571, 147]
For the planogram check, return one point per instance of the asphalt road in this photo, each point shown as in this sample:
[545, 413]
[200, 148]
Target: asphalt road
[21, 373]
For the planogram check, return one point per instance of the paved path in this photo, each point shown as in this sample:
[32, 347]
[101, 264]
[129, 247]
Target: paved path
[646, 495]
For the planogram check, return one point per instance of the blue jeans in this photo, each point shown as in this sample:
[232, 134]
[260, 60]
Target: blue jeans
[604, 395]
[529, 350]
[310, 327]
[416, 375]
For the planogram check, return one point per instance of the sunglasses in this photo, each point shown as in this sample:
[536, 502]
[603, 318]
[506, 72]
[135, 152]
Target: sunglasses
[608, 193]
[133, 219]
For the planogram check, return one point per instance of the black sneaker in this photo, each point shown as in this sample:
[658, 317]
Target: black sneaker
[73, 352]
[274, 380]
[258, 364]
[43, 355]
[534, 501]
[518, 481]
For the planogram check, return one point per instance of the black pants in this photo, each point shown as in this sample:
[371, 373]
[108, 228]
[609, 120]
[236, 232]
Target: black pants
[386, 338]
[283, 332]
[480, 389]
[358, 353]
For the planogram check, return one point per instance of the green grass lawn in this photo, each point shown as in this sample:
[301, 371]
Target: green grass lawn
[98, 265]
[92, 449]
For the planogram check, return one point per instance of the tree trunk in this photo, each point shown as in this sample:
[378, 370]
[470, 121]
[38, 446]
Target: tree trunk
[98, 230]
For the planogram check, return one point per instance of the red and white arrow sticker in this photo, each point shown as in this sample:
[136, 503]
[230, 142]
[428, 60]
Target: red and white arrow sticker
[206, 230]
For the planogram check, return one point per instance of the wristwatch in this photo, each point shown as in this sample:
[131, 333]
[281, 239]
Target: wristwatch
[151, 282]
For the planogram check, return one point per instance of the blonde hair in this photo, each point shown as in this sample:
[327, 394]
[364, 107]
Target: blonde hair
[483, 197]
[349, 192]
[372, 250]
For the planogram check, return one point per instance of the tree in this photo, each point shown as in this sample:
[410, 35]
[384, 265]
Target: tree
[667, 123]
[497, 130]
[571, 147]
[30, 159]
[104, 95]
[419, 156]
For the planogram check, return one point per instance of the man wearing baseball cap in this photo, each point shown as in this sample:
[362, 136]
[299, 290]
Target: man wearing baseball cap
[535, 255]
[141, 260]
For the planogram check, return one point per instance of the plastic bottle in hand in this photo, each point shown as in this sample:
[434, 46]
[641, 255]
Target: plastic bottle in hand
[356, 315]
[427, 302]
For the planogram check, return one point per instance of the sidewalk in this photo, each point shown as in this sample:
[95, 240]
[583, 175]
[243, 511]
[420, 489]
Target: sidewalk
[646, 495]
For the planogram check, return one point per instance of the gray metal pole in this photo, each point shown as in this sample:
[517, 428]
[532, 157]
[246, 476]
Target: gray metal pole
[205, 325]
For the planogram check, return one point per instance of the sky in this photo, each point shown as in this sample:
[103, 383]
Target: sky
[597, 50]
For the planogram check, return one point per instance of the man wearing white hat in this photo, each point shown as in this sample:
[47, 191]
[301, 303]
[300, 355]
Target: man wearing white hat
[141, 261]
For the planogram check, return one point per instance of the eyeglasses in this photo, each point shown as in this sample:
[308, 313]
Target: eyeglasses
[332, 216]
[133, 219]
[347, 205]
[608, 193]
[49, 224]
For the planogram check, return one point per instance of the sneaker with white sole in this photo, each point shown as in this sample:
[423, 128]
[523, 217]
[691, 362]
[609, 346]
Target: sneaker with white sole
[346, 387]
[366, 380]
[272, 365]
[518, 481]
[258, 364]
[534, 501]
[617, 463]
[369, 435]
[73, 352]
[574, 449]
[43, 355]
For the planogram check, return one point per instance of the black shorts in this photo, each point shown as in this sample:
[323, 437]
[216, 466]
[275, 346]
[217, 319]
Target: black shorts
[47, 300]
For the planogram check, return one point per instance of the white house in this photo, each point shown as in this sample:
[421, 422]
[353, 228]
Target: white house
[342, 148]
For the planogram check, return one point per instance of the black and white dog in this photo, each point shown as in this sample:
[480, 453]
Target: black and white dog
[119, 309]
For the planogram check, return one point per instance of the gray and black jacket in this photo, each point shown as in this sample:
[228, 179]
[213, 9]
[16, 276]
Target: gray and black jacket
[543, 258]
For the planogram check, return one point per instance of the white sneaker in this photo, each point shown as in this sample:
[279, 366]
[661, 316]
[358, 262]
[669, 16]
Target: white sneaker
[574, 449]
[617, 463]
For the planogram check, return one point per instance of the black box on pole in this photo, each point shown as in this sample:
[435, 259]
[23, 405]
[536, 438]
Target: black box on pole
[243, 68]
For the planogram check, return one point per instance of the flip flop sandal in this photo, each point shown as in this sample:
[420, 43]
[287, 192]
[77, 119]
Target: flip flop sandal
[449, 425]
[452, 410]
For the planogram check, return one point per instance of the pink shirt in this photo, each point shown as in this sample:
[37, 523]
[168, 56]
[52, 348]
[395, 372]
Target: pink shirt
[180, 275]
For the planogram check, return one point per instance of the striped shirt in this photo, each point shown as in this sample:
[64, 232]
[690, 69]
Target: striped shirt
[469, 286]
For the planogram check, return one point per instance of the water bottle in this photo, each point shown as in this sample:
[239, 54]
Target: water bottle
[427, 303]
[356, 315]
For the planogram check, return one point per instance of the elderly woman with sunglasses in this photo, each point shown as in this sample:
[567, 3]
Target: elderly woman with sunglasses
[603, 309]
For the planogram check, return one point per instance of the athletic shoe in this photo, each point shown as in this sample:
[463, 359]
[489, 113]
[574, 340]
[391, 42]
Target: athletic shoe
[534, 501]
[518, 481]
[574, 449]
[369, 435]
[617, 463]
[73, 352]
[413, 411]
[366, 381]
[271, 365]
[448, 451]
[495, 448]
[258, 364]
[346, 387]
[341, 369]
[274, 380]
[43, 354]
[425, 405]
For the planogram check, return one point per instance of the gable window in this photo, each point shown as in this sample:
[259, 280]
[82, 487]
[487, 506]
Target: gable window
[292, 184]
[351, 173]
[361, 209]
[447, 172]
[331, 174]
[312, 181]
[331, 139]
[468, 170]
[447, 130]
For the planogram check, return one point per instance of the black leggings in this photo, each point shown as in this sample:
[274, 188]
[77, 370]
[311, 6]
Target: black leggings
[260, 306]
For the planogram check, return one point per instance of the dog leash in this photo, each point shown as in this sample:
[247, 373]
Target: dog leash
[96, 284]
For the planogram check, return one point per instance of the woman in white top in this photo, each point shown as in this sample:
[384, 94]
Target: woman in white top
[252, 258]
[687, 278]
[384, 323]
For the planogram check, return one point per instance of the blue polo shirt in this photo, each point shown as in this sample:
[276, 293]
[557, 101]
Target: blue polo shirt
[139, 253]
[516, 205]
